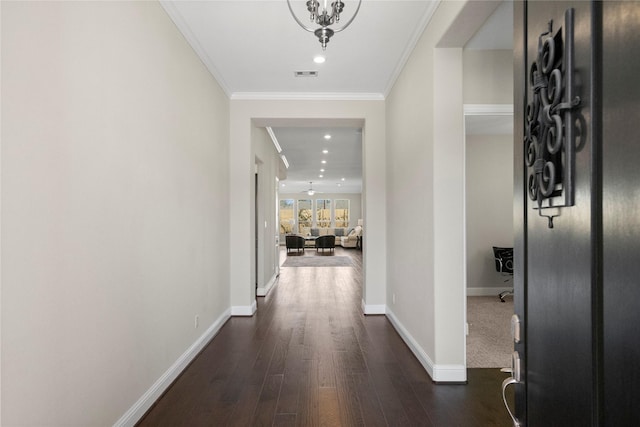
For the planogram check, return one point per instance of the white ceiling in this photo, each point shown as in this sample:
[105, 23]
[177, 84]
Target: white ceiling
[253, 47]
[304, 147]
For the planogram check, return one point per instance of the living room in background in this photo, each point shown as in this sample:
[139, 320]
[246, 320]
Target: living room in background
[342, 212]
[323, 213]
[305, 216]
[286, 217]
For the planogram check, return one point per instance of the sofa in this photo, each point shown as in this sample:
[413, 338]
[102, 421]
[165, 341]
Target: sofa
[345, 237]
[350, 240]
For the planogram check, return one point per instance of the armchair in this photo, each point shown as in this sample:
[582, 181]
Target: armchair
[326, 242]
[294, 242]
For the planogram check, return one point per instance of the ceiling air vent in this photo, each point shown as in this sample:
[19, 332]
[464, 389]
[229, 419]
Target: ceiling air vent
[305, 73]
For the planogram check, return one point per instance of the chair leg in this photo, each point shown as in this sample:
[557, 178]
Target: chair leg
[501, 295]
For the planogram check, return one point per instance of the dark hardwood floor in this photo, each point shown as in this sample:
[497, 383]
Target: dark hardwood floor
[309, 357]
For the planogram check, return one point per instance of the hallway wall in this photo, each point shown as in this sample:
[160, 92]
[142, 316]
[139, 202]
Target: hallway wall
[268, 164]
[489, 208]
[425, 182]
[417, 176]
[488, 79]
[487, 76]
[114, 187]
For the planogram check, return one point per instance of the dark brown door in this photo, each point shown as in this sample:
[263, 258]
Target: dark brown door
[577, 250]
[621, 213]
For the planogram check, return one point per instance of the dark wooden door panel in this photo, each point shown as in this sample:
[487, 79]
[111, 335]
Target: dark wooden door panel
[559, 279]
[577, 285]
[621, 212]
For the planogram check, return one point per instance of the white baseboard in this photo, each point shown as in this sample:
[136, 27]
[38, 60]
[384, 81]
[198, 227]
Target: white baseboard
[137, 411]
[262, 291]
[438, 373]
[488, 291]
[244, 310]
[373, 309]
[449, 374]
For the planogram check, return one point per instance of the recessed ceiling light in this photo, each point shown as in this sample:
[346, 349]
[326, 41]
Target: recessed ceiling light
[325, 151]
[320, 176]
[343, 179]
[323, 162]
[339, 185]
[319, 59]
[321, 170]
[327, 136]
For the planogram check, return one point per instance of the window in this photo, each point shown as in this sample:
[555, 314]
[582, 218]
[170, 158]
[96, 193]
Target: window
[305, 216]
[323, 213]
[286, 216]
[342, 213]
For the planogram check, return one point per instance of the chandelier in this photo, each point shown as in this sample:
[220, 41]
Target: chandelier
[328, 15]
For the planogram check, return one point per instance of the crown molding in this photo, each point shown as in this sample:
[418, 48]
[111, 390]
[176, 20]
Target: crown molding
[183, 27]
[305, 96]
[411, 45]
[488, 109]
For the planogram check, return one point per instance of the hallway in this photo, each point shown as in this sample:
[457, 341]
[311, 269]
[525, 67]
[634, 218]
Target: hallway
[309, 357]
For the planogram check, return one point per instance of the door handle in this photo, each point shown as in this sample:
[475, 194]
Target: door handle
[513, 379]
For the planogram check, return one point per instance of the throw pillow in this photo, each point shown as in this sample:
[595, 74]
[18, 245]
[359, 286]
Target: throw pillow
[315, 232]
[352, 232]
[339, 232]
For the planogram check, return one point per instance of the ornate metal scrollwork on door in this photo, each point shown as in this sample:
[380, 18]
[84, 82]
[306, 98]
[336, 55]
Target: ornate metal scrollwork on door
[549, 122]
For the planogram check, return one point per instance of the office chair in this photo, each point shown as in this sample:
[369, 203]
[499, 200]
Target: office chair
[504, 265]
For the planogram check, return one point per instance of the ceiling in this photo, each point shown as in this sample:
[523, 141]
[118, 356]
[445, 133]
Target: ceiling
[304, 149]
[254, 47]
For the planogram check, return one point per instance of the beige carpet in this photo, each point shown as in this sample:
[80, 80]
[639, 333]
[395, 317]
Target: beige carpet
[489, 343]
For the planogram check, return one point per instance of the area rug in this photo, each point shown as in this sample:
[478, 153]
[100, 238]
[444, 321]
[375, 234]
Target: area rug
[318, 261]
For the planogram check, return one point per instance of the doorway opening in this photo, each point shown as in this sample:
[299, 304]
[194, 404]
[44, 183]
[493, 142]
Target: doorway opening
[320, 191]
[488, 223]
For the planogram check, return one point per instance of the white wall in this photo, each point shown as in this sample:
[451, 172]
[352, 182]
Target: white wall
[425, 187]
[366, 114]
[488, 79]
[489, 210]
[422, 182]
[114, 182]
[268, 162]
[488, 76]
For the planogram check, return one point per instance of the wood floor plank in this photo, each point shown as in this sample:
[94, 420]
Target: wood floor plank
[308, 412]
[328, 407]
[266, 409]
[372, 414]
[293, 381]
[349, 405]
[309, 357]
[284, 420]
